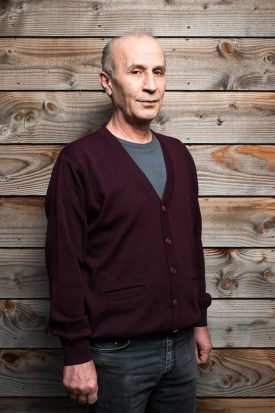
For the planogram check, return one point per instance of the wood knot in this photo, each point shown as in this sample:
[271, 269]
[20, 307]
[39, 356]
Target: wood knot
[11, 357]
[267, 273]
[51, 108]
[226, 48]
[269, 58]
[8, 305]
[226, 284]
[3, 12]
[31, 119]
[96, 8]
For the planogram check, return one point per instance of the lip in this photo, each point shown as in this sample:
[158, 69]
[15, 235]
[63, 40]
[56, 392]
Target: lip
[149, 101]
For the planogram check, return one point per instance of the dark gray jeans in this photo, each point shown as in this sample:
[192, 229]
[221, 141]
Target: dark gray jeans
[153, 374]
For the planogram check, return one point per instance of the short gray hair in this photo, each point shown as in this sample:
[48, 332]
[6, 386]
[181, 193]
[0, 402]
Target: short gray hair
[107, 53]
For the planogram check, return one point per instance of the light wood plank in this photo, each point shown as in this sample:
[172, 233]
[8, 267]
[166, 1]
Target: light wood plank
[193, 117]
[235, 406]
[238, 373]
[227, 222]
[200, 64]
[230, 272]
[232, 323]
[222, 170]
[109, 17]
[240, 273]
[230, 373]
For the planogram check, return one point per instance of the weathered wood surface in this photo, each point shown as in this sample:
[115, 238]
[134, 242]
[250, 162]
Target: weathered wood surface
[238, 373]
[240, 273]
[227, 222]
[232, 323]
[193, 117]
[230, 272]
[222, 170]
[64, 405]
[233, 406]
[230, 373]
[111, 18]
[23, 273]
[192, 64]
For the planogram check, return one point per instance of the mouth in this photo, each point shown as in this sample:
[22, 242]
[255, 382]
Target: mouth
[148, 101]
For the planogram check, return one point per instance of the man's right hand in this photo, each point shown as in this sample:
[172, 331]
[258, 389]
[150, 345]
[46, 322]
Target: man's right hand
[81, 382]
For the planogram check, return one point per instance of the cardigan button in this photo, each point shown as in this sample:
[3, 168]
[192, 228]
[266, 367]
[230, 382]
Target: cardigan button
[164, 209]
[168, 241]
[173, 270]
[175, 302]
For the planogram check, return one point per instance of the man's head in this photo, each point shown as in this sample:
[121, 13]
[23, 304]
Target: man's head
[133, 75]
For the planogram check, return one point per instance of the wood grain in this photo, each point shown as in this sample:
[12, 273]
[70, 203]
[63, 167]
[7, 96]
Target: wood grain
[232, 323]
[240, 273]
[235, 406]
[238, 373]
[23, 273]
[112, 18]
[193, 117]
[231, 373]
[227, 222]
[222, 170]
[192, 64]
[230, 272]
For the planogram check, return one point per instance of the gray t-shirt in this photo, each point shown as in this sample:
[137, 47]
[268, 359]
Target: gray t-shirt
[148, 156]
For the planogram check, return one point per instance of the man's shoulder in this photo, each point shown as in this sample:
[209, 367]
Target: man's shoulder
[83, 147]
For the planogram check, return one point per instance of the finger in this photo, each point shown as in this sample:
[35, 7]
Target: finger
[197, 355]
[82, 398]
[92, 398]
[204, 356]
[73, 396]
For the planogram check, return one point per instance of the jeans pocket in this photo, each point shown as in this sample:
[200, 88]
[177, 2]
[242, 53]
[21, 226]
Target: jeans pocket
[110, 345]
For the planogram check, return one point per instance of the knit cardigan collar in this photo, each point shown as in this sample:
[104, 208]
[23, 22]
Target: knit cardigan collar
[132, 167]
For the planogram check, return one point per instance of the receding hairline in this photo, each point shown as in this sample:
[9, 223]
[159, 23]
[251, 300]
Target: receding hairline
[108, 51]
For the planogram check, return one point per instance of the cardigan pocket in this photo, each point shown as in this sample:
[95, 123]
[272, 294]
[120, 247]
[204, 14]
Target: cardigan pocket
[126, 293]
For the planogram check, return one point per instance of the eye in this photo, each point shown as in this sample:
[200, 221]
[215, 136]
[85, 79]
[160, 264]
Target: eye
[159, 72]
[136, 71]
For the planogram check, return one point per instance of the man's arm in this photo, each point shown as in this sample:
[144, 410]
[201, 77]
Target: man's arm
[65, 250]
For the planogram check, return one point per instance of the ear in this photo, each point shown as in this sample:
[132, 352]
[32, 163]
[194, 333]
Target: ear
[106, 83]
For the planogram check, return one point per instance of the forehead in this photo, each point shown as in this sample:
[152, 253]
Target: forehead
[138, 50]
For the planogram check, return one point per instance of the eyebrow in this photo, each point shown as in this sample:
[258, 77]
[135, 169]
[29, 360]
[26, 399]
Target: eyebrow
[138, 66]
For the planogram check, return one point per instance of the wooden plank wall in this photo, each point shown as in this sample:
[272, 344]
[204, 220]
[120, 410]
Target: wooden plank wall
[220, 101]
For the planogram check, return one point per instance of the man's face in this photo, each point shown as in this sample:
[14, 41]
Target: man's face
[139, 81]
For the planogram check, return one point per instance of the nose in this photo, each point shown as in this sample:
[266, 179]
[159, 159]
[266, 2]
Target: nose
[149, 83]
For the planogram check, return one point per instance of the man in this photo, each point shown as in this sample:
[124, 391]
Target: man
[123, 250]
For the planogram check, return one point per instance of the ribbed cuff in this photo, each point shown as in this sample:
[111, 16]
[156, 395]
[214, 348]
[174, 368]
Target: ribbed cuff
[76, 352]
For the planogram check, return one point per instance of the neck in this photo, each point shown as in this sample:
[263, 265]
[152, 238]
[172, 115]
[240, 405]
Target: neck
[135, 133]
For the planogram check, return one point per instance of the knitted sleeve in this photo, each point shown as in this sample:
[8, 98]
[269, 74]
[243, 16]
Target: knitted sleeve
[65, 248]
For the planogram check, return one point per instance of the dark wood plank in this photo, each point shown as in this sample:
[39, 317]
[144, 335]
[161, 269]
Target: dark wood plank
[227, 222]
[193, 117]
[64, 405]
[230, 272]
[42, 405]
[232, 323]
[240, 273]
[109, 17]
[231, 373]
[192, 64]
[222, 170]
[235, 405]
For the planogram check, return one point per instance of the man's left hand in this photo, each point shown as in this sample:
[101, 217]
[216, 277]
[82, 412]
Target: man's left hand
[203, 344]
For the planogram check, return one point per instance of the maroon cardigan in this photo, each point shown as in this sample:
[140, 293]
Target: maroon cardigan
[120, 260]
